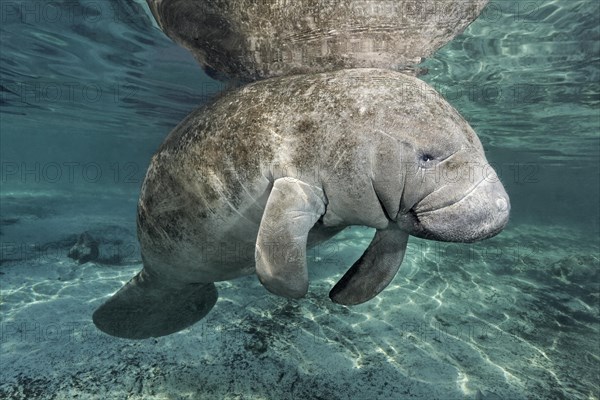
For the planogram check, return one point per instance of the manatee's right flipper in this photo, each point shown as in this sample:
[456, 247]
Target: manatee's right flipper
[146, 307]
[292, 209]
[374, 270]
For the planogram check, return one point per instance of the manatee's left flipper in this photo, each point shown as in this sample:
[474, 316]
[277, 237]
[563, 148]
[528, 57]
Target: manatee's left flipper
[374, 270]
[292, 209]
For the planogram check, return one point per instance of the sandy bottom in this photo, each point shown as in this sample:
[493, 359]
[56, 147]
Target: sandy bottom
[514, 317]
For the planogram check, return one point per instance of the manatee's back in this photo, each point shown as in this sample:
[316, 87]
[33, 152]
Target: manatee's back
[204, 187]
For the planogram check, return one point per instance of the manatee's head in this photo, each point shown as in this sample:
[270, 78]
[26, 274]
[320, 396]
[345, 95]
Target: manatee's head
[465, 202]
[449, 191]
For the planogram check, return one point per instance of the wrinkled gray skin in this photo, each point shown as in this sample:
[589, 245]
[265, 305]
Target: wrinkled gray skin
[249, 39]
[245, 184]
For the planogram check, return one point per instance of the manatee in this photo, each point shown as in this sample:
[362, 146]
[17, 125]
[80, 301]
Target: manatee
[250, 40]
[245, 184]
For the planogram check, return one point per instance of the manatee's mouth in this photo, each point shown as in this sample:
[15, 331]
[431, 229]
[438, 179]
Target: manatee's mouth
[455, 236]
[479, 213]
[409, 221]
[418, 229]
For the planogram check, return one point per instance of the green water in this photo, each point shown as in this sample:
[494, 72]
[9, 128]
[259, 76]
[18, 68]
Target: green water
[89, 90]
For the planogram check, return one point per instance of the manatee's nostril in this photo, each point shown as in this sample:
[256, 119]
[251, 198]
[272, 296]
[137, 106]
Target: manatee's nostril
[502, 204]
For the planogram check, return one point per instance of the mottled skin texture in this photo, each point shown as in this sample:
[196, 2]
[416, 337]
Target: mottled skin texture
[236, 187]
[251, 40]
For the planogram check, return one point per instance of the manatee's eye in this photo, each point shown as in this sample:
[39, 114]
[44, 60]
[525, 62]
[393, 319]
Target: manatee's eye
[426, 157]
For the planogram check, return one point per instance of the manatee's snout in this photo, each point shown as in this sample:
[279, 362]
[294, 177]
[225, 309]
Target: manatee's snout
[478, 213]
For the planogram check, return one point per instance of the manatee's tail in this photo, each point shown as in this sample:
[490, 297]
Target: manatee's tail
[146, 307]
